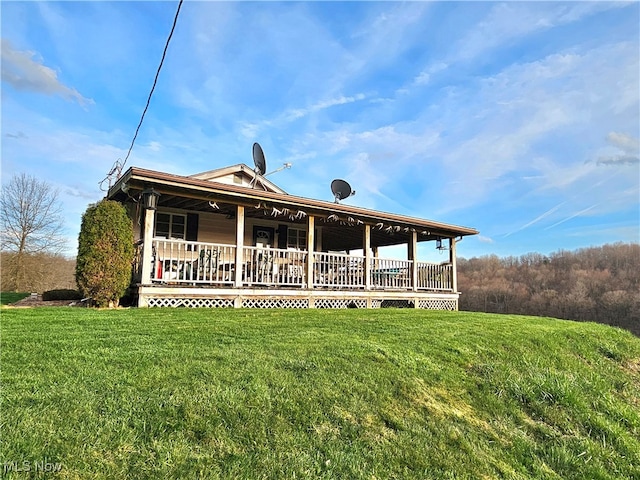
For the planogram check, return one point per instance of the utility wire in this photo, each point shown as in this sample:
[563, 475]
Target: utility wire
[117, 166]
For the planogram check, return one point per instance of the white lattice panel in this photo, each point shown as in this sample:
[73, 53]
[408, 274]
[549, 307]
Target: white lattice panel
[438, 304]
[190, 302]
[268, 302]
[340, 303]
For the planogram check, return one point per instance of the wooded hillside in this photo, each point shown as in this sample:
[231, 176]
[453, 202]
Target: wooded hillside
[36, 272]
[599, 284]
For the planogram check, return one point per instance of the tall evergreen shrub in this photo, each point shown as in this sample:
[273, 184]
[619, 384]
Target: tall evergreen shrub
[105, 253]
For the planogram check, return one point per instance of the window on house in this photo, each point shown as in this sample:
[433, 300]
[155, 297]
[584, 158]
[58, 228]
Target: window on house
[296, 239]
[171, 225]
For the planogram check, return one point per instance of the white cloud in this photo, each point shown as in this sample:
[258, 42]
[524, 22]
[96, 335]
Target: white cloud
[624, 141]
[507, 22]
[21, 70]
[628, 144]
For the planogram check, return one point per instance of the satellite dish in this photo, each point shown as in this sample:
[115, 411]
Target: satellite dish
[258, 159]
[259, 162]
[341, 189]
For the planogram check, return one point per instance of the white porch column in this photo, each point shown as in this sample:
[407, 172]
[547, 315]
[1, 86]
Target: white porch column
[454, 268]
[147, 246]
[311, 234]
[239, 244]
[413, 256]
[367, 256]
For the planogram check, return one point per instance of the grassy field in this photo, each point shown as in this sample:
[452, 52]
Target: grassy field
[344, 394]
[11, 297]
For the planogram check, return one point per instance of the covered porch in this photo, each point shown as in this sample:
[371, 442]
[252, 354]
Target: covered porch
[202, 270]
[261, 249]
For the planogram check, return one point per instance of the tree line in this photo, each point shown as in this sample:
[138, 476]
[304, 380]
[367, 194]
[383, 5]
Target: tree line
[600, 284]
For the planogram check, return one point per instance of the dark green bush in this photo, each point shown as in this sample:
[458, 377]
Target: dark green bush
[105, 253]
[62, 294]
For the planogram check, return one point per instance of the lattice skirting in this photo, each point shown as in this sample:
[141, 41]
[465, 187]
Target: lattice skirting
[438, 304]
[190, 302]
[268, 302]
[340, 303]
[285, 302]
[397, 304]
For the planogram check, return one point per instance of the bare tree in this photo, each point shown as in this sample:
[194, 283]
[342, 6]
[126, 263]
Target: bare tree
[32, 223]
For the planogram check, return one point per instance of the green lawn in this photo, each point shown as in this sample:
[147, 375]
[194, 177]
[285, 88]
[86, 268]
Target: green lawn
[344, 394]
[11, 297]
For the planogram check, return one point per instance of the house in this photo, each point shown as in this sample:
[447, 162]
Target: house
[230, 238]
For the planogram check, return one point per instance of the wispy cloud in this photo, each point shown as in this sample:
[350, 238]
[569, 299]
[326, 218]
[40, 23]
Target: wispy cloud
[577, 214]
[17, 136]
[624, 141]
[537, 219]
[295, 114]
[251, 129]
[628, 144]
[513, 20]
[21, 70]
[619, 160]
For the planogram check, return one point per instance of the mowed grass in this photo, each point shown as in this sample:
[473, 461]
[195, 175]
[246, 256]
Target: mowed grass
[11, 297]
[344, 394]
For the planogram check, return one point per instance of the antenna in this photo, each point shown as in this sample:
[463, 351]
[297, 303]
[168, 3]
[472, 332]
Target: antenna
[259, 162]
[341, 190]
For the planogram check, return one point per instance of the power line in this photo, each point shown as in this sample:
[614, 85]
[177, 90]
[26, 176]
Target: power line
[117, 167]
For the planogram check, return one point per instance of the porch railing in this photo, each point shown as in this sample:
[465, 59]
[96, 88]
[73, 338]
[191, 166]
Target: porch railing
[200, 263]
[274, 266]
[192, 262]
[391, 274]
[338, 270]
[435, 276]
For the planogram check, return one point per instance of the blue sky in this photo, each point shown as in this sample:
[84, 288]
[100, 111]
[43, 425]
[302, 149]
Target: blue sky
[521, 120]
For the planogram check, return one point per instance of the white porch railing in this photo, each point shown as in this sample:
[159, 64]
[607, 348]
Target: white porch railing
[338, 270]
[274, 266]
[391, 274]
[435, 276]
[199, 263]
[192, 262]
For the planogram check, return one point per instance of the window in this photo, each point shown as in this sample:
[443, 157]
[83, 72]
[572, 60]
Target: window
[171, 225]
[296, 239]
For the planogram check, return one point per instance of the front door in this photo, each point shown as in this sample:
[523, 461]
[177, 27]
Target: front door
[263, 236]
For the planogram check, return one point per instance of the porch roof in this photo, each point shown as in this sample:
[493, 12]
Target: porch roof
[343, 225]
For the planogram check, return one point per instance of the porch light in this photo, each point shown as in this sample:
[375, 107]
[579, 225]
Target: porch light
[439, 245]
[150, 199]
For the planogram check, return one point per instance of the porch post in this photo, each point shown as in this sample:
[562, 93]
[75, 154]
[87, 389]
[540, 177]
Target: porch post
[147, 246]
[413, 256]
[239, 246]
[367, 256]
[452, 260]
[311, 221]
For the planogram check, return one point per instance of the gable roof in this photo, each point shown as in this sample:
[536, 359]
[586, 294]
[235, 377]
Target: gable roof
[239, 174]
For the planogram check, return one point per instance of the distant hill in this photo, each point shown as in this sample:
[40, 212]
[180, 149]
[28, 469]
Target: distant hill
[600, 284]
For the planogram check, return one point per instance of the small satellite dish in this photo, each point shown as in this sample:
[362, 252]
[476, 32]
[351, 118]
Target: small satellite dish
[341, 189]
[259, 162]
